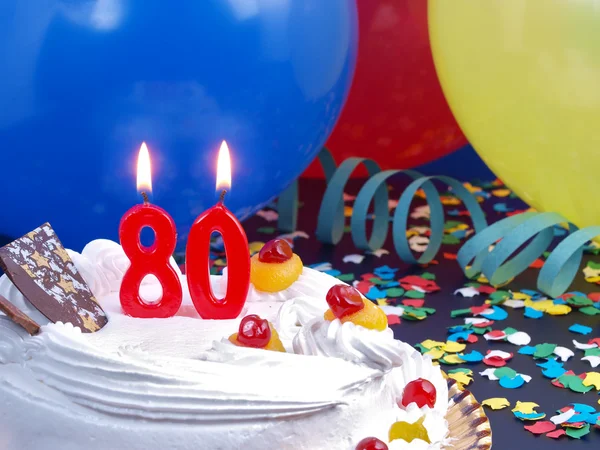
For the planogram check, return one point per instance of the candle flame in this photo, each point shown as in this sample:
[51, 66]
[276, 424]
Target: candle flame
[223, 168]
[144, 170]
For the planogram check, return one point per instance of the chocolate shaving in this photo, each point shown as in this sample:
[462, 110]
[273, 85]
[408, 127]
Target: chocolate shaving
[40, 267]
[19, 317]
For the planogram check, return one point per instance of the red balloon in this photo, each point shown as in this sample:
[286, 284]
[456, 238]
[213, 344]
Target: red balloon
[396, 112]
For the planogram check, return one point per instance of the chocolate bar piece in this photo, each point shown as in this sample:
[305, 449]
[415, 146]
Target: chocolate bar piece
[19, 317]
[40, 267]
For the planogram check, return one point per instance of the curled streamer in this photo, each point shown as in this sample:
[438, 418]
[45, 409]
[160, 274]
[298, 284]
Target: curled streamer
[474, 257]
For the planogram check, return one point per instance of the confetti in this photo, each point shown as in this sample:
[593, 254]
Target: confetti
[380, 252]
[556, 434]
[591, 379]
[512, 383]
[525, 407]
[563, 353]
[355, 259]
[519, 338]
[533, 313]
[560, 418]
[496, 403]
[580, 329]
[540, 427]
[467, 292]
[268, 215]
[578, 433]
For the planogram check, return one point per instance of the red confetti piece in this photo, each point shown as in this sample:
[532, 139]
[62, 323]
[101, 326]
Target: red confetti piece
[495, 334]
[515, 212]
[541, 427]
[363, 286]
[486, 289]
[451, 256]
[556, 433]
[494, 361]
[489, 323]
[393, 319]
[479, 309]
[464, 213]
[472, 338]
[594, 296]
[368, 276]
[409, 281]
[594, 341]
[565, 409]
[416, 302]
[537, 264]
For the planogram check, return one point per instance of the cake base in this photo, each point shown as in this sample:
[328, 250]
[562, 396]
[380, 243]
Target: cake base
[468, 426]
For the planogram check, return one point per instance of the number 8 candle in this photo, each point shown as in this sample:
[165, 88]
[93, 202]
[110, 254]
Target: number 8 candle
[154, 259]
[220, 219]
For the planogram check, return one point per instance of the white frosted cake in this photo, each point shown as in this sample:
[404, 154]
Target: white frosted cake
[180, 383]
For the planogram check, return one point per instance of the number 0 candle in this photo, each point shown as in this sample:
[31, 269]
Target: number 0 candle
[220, 219]
[154, 259]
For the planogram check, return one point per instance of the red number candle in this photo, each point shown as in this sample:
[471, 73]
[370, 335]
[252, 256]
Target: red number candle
[218, 218]
[153, 260]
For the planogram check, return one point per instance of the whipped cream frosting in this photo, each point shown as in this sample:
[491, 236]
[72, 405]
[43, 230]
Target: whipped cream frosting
[179, 383]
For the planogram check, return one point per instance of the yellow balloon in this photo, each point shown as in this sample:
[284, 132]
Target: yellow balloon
[523, 80]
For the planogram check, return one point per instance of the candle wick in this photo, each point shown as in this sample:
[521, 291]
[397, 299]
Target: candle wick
[145, 197]
[222, 196]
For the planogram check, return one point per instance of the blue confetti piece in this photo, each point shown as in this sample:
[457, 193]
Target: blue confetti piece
[583, 408]
[554, 372]
[512, 383]
[498, 314]
[502, 207]
[550, 363]
[375, 293]
[462, 335]
[559, 301]
[332, 272]
[472, 357]
[528, 416]
[389, 285]
[580, 329]
[458, 329]
[535, 295]
[527, 350]
[460, 234]
[533, 313]
[386, 276]
[597, 305]
[559, 231]
[453, 212]
[384, 269]
[576, 293]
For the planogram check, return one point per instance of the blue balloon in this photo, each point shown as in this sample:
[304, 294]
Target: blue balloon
[85, 82]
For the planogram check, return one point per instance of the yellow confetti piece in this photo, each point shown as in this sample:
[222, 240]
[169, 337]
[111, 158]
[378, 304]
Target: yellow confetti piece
[411, 233]
[220, 262]
[452, 359]
[471, 188]
[429, 344]
[382, 302]
[589, 272]
[255, 247]
[460, 226]
[463, 378]
[540, 305]
[525, 407]
[501, 192]
[435, 353]
[592, 279]
[520, 296]
[558, 310]
[452, 201]
[592, 379]
[454, 347]
[496, 403]
[347, 211]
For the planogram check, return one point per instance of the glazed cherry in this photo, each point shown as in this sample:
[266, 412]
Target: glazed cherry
[275, 251]
[254, 332]
[420, 391]
[371, 443]
[344, 300]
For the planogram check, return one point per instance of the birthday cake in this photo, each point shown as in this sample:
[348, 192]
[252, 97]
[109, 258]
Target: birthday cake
[309, 364]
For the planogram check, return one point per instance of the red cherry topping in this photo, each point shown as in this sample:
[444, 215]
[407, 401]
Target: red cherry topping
[419, 391]
[254, 332]
[371, 443]
[344, 300]
[275, 251]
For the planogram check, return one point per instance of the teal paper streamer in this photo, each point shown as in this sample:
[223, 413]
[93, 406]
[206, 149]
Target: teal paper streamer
[474, 257]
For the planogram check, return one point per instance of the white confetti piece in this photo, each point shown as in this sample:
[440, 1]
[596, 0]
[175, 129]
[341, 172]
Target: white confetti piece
[515, 304]
[581, 346]
[562, 418]
[322, 267]
[421, 212]
[485, 312]
[388, 309]
[593, 360]
[268, 215]
[489, 373]
[475, 320]
[356, 259]
[418, 244]
[527, 378]
[392, 203]
[499, 354]
[563, 353]
[467, 292]
[519, 338]
[380, 252]
[491, 337]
